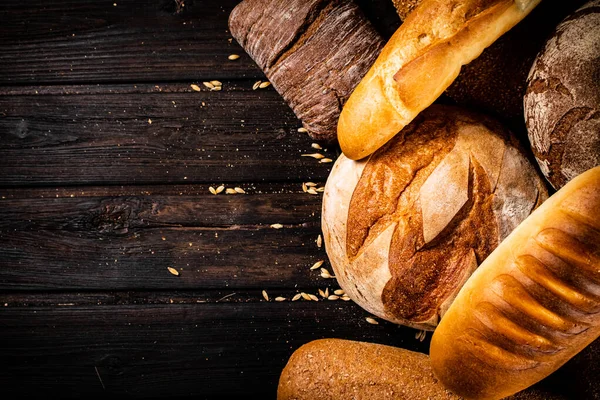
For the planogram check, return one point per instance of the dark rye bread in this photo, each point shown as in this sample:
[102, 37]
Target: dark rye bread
[562, 103]
[314, 52]
[496, 81]
[406, 227]
[334, 369]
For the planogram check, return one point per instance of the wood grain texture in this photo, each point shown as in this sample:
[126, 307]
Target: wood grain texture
[164, 133]
[168, 350]
[126, 237]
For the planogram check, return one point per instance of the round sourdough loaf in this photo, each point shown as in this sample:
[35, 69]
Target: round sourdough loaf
[562, 103]
[406, 227]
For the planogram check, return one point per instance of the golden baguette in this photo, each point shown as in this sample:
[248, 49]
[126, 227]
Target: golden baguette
[418, 63]
[532, 305]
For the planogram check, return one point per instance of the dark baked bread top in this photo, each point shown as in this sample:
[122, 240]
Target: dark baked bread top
[314, 52]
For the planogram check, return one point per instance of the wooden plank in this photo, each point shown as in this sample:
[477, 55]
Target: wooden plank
[89, 41]
[144, 134]
[95, 41]
[126, 237]
[101, 347]
[207, 350]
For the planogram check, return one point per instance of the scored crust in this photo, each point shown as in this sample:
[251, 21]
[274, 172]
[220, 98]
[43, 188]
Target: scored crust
[418, 63]
[405, 228]
[532, 305]
[562, 103]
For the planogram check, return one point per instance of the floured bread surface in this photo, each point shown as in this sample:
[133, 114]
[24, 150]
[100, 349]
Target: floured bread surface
[406, 227]
[562, 103]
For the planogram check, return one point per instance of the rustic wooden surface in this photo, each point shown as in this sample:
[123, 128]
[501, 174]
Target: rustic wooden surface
[106, 156]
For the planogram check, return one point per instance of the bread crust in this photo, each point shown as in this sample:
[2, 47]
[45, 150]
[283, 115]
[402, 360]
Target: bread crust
[562, 103]
[405, 228]
[418, 63]
[314, 52]
[532, 305]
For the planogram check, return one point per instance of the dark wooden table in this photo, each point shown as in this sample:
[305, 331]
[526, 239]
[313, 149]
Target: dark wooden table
[106, 159]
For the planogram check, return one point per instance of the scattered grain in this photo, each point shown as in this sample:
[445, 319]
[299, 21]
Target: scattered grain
[276, 226]
[216, 88]
[333, 297]
[320, 189]
[339, 292]
[239, 190]
[305, 296]
[312, 191]
[195, 87]
[230, 191]
[279, 298]
[173, 271]
[297, 297]
[212, 190]
[318, 156]
[311, 184]
[304, 187]
[326, 160]
[317, 265]
[319, 241]
[233, 57]
[345, 298]
[372, 321]
[220, 189]
[208, 85]
[264, 85]
[216, 83]
[322, 293]
[313, 297]
[265, 295]
[302, 130]
[316, 146]
[256, 85]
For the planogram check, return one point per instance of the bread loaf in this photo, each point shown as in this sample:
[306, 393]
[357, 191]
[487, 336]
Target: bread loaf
[314, 52]
[334, 369]
[495, 82]
[532, 305]
[405, 228]
[562, 103]
[418, 63]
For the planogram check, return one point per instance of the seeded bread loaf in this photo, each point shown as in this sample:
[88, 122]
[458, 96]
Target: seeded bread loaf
[533, 303]
[314, 53]
[334, 369]
[405, 228]
[418, 63]
[562, 103]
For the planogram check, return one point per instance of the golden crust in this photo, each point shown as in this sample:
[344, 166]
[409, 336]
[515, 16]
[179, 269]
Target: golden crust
[418, 63]
[532, 304]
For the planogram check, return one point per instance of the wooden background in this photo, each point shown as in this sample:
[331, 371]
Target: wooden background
[106, 157]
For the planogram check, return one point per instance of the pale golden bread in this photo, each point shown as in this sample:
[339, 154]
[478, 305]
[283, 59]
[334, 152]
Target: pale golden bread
[418, 63]
[533, 303]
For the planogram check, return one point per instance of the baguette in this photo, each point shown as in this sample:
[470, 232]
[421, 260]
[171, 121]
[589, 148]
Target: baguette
[418, 63]
[532, 305]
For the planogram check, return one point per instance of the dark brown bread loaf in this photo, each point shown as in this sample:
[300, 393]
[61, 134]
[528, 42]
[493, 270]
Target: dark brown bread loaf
[314, 52]
[406, 227]
[562, 103]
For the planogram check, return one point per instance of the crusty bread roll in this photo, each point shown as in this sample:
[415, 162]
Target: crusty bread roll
[405, 228]
[314, 52]
[562, 103]
[334, 369]
[532, 305]
[418, 63]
